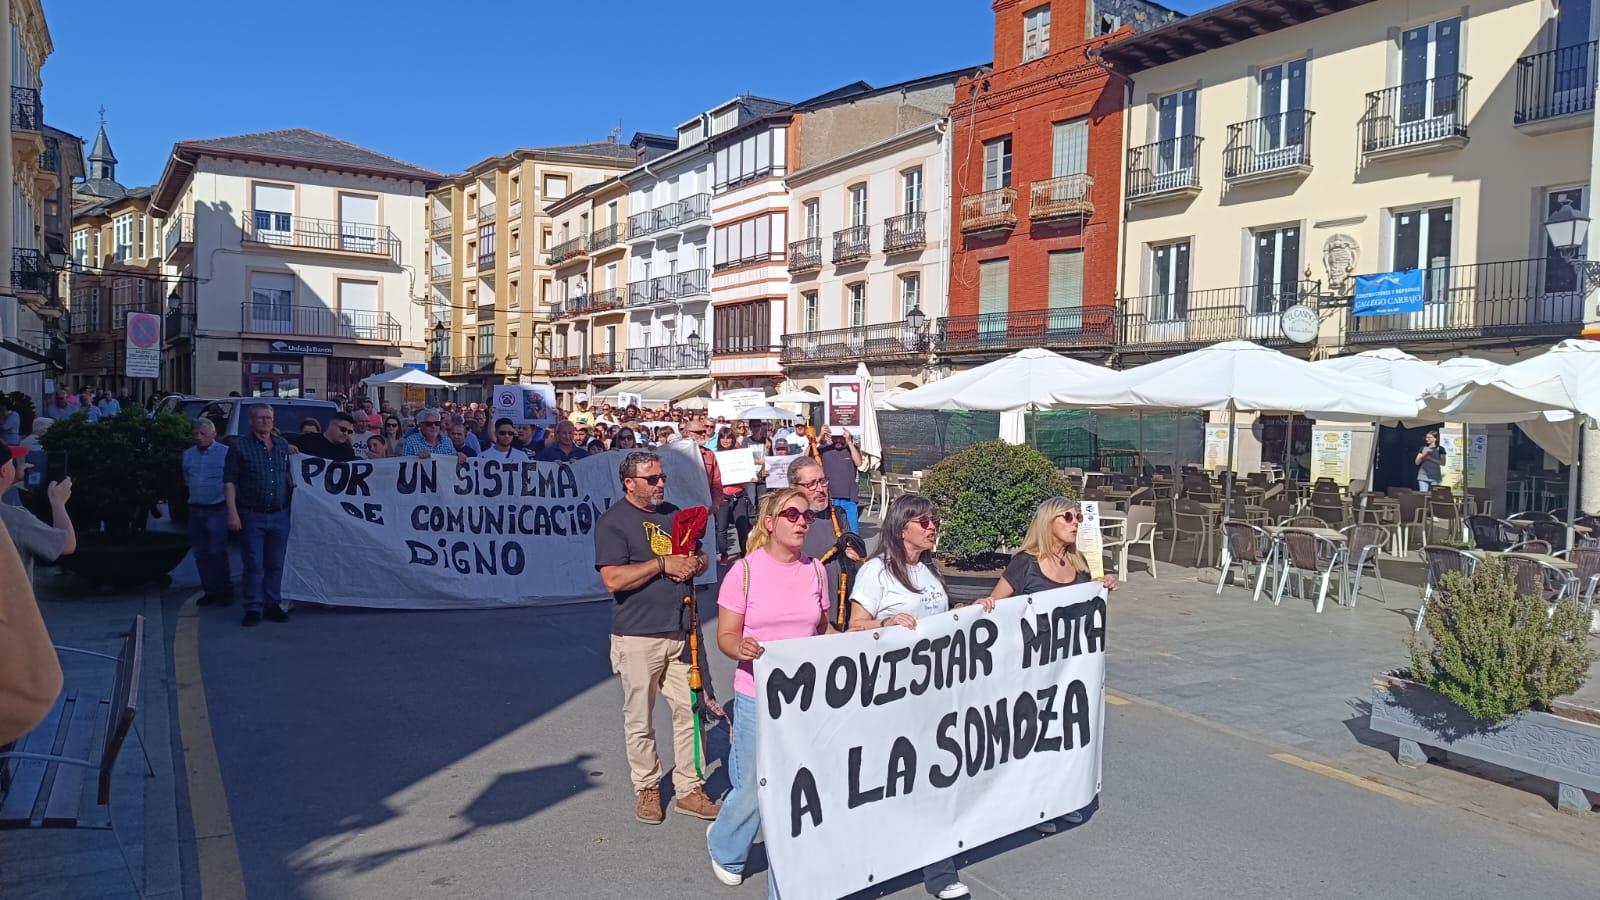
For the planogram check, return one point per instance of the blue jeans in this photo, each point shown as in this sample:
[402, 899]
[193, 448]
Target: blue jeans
[852, 511]
[208, 532]
[1424, 485]
[266, 536]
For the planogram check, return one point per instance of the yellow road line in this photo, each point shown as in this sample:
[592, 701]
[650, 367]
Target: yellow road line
[1347, 778]
[1114, 700]
[221, 875]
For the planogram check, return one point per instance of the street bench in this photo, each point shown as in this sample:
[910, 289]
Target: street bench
[42, 775]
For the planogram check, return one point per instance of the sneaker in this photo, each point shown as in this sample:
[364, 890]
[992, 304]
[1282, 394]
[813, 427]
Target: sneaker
[1051, 826]
[697, 804]
[251, 618]
[955, 890]
[276, 614]
[649, 811]
[1073, 818]
[731, 879]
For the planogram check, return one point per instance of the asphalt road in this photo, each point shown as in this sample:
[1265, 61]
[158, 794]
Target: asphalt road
[478, 754]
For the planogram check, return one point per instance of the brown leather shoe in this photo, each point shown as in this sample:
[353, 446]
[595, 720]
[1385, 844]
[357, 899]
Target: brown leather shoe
[697, 804]
[649, 811]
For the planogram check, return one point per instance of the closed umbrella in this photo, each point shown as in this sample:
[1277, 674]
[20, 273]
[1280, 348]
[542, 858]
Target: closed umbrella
[870, 444]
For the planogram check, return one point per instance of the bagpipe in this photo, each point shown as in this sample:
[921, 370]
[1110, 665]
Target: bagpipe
[844, 540]
[688, 529]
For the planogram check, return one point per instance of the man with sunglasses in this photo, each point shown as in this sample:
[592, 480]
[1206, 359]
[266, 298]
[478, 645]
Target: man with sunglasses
[336, 443]
[429, 438]
[633, 553]
[505, 443]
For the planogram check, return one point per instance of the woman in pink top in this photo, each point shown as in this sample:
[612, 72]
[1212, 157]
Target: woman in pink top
[774, 594]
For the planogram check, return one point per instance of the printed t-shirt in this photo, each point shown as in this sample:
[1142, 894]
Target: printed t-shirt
[785, 601]
[882, 596]
[626, 535]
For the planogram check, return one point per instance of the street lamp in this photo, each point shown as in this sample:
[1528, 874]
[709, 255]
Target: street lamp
[916, 319]
[174, 299]
[694, 340]
[58, 258]
[1568, 229]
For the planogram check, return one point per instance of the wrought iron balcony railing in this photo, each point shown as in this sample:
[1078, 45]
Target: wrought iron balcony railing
[179, 321]
[989, 211]
[671, 356]
[905, 232]
[50, 159]
[440, 225]
[441, 271]
[1278, 144]
[1420, 115]
[691, 209]
[283, 229]
[609, 236]
[30, 270]
[180, 234]
[1164, 168]
[1556, 83]
[27, 113]
[667, 288]
[1017, 329]
[607, 298]
[316, 321]
[1190, 318]
[1490, 300]
[569, 249]
[852, 244]
[566, 365]
[469, 363]
[805, 255]
[886, 341]
[1064, 197]
[644, 223]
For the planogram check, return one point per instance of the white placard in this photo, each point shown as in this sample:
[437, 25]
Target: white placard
[1217, 447]
[1091, 541]
[881, 751]
[438, 534]
[525, 404]
[737, 466]
[625, 400]
[778, 472]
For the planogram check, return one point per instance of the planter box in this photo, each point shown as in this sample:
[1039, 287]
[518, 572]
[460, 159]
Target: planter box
[1547, 746]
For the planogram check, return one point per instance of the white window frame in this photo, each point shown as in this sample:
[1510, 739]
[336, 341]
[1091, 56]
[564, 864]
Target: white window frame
[856, 304]
[1036, 33]
[1164, 295]
[858, 205]
[910, 293]
[997, 163]
[911, 191]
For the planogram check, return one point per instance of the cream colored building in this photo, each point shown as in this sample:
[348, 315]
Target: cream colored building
[1275, 153]
[590, 267]
[302, 258]
[490, 237]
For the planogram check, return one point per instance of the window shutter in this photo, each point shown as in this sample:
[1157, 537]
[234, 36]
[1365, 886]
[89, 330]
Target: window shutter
[1066, 279]
[1070, 153]
[994, 285]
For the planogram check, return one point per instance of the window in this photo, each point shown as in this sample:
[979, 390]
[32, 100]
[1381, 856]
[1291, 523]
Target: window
[94, 309]
[555, 187]
[1430, 57]
[754, 157]
[80, 246]
[516, 242]
[472, 205]
[1066, 289]
[515, 299]
[358, 222]
[544, 291]
[612, 210]
[1283, 103]
[358, 311]
[441, 345]
[271, 302]
[583, 223]
[994, 292]
[910, 294]
[1035, 32]
[1422, 241]
[858, 206]
[857, 294]
[1169, 281]
[808, 302]
[485, 345]
[911, 191]
[1175, 120]
[122, 236]
[749, 241]
[742, 327]
[139, 236]
[544, 344]
[813, 210]
[486, 244]
[544, 240]
[1069, 149]
[273, 218]
[997, 164]
[1277, 265]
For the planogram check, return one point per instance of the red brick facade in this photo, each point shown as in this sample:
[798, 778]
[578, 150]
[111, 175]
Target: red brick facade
[1024, 101]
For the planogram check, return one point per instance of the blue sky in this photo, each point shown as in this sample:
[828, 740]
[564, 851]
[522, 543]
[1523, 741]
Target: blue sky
[509, 74]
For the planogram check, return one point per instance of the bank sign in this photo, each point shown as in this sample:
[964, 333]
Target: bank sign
[301, 348]
[1389, 293]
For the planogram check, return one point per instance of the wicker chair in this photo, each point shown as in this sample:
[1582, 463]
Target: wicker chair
[1189, 517]
[1363, 544]
[1587, 577]
[1247, 544]
[1552, 533]
[1489, 533]
[1439, 561]
[1535, 546]
[1305, 522]
[1302, 552]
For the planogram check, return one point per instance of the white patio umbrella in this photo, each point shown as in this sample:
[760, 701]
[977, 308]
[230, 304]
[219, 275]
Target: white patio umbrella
[1024, 381]
[407, 376]
[870, 444]
[799, 396]
[766, 413]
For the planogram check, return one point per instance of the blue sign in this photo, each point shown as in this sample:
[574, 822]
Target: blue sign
[420, 367]
[1389, 293]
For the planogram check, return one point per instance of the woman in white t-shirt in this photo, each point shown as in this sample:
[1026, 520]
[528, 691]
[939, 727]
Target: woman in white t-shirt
[898, 585]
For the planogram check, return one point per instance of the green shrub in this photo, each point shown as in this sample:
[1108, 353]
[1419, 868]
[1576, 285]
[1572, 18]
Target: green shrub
[120, 466]
[986, 496]
[1495, 653]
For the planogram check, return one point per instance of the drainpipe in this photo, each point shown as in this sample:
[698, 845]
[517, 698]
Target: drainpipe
[1127, 147]
[942, 128]
[7, 208]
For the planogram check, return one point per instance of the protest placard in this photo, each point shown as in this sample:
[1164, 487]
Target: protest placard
[525, 404]
[737, 466]
[1091, 540]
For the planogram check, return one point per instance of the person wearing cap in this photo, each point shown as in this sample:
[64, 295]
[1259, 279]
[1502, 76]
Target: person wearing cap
[35, 539]
[581, 416]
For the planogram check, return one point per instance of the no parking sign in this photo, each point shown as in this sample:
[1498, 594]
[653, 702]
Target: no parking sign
[142, 357]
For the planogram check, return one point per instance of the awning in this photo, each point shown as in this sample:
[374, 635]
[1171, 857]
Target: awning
[674, 389]
[626, 387]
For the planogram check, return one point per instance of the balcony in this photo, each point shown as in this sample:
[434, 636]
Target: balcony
[179, 322]
[990, 211]
[281, 229]
[30, 271]
[566, 366]
[50, 159]
[570, 249]
[887, 341]
[689, 210]
[1165, 170]
[1066, 197]
[465, 364]
[852, 244]
[609, 236]
[440, 226]
[1275, 146]
[1555, 89]
[486, 262]
[671, 356]
[805, 255]
[607, 299]
[317, 321]
[1523, 298]
[1185, 319]
[1068, 328]
[1420, 117]
[644, 224]
[486, 211]
[601, 363]
[906, 232]
[486, 312]
[669, 288]
[441, 271]
[179, 235]
[27, 113]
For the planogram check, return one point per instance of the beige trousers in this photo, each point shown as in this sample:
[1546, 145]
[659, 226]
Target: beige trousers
[650, 666]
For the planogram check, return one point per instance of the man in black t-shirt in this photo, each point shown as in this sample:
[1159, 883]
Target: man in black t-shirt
[633, 551]
[334, 445]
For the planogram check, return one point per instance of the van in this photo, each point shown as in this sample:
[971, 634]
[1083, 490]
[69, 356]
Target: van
[188, 407]
[229, 414]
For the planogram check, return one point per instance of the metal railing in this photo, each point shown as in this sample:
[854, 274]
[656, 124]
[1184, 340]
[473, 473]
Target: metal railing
[469, 363]
[989, 210]
[805, 254]
[283, 229]
[670, 356]
[601, 238]
[179, 322]
[1191, 318]
[440, 225]
[905, 232]
[317, 321]
[566, 365]
[486, 261]
[27, 112]
[1164, 167]
[1413, 114]
[568, 249]
[1556, 83]
[180, 232]
[1064, 197]
[667, 288]
[1275, 143]
[644, 223]
[852, 244]
[50, 159]
[607, 298]
[30, 270]
[1018, 329]
[486, 210]
[889, 340]
[441, 271]
[1508, 298]
[692, 208]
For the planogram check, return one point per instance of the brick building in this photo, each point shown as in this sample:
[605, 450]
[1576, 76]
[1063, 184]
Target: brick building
[1036, 148]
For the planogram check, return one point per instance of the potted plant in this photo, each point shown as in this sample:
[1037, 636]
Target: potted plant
[1484, 683]
[986, 495]
[121, 467]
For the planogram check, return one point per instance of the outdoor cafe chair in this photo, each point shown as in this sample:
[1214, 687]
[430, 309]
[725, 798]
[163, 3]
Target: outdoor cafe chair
[1278, 509]
[1533, 515]
[1357, 486]
[1537, 578]
[1489, 533]
[1305, 522]
[1140, 528]
[1586, 579]
[1442, 507]
[1302, 552]
[1441, 560]
[1363, 545]
[1481, 503]
[1413, 514]
[1329, 511]
[1552, 533]
[1189, 517]
[1541, 548]
[1247, 545]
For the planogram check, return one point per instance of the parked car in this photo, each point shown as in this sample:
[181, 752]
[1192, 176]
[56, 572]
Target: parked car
[184, 405]
[228, 414]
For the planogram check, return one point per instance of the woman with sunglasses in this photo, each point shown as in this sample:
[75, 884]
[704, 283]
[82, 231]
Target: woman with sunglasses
[391, 432]
[776, 593]
[897, 585]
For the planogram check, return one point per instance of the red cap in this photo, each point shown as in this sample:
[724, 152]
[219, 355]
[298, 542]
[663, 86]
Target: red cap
[18, 452]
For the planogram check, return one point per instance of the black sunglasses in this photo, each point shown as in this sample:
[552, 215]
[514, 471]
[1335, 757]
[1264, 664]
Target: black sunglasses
[792, 515]
[505, 434]
[651, 480]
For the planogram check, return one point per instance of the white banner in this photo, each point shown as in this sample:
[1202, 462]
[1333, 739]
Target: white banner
[437, 534]
[879, 752]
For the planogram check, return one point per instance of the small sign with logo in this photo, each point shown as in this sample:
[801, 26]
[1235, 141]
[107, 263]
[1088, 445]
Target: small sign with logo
[300, 348]
[143, 356]
[1388, 293]
[1300, 324]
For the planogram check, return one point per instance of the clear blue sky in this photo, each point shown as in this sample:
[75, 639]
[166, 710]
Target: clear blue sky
[444, 83]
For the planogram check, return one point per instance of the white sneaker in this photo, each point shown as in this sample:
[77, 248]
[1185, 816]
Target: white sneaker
[731, 879]
[1073, 818]
[953, 892]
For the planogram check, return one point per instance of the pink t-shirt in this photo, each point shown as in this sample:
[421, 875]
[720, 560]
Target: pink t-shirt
[787, 600]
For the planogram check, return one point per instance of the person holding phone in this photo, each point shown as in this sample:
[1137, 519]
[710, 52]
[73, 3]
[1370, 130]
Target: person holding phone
[1429, 459]
[34, 539]
[841, 460]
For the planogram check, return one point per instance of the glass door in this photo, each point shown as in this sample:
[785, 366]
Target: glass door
[1281, 137]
